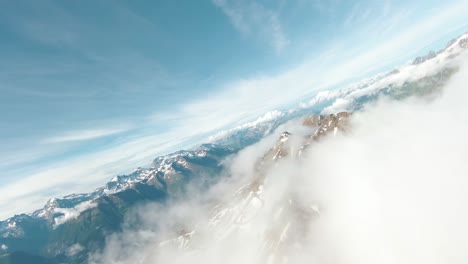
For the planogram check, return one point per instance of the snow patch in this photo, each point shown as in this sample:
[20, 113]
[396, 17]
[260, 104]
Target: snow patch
[340, 105]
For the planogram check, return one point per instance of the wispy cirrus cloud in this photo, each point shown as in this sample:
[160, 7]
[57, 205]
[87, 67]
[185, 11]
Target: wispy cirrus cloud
[252, 19]
[87, 134]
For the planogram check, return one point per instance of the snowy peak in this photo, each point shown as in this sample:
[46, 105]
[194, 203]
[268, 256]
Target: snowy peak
[454, 47]
[326, 124]
[461, 42]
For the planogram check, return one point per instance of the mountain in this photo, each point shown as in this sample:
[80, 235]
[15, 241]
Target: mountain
[72, 226]
[67, 229]
[238, 213]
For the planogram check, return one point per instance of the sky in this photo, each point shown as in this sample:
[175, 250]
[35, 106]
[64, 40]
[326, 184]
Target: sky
[90, 89]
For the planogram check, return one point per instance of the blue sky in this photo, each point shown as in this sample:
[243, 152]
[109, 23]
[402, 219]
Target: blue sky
[89, 89]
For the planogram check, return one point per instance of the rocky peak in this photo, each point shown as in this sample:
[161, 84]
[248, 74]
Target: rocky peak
[421, 59]
[463, 43]
[326, 124]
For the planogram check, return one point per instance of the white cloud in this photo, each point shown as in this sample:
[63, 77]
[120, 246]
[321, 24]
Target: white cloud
[3, 247]
[80, 135]
[253, 19]
[72, 213]
[74, 249]
[390, 190]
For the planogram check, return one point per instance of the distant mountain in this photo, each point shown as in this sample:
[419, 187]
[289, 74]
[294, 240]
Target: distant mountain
[67, 229]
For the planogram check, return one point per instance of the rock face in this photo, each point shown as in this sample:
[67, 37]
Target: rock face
[463, 43]
[326, 124]
[422, 59]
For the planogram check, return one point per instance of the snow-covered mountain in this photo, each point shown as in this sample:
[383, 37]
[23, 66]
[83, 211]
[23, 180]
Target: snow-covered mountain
[57, 226]
[238, 213]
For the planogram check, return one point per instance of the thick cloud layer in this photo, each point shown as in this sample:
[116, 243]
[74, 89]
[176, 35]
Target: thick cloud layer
[393, 189]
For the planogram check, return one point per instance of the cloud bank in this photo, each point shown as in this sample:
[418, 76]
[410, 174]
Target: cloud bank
[390, 190]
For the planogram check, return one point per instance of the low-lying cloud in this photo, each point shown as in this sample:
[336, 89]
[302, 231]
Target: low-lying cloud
[392, 189]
